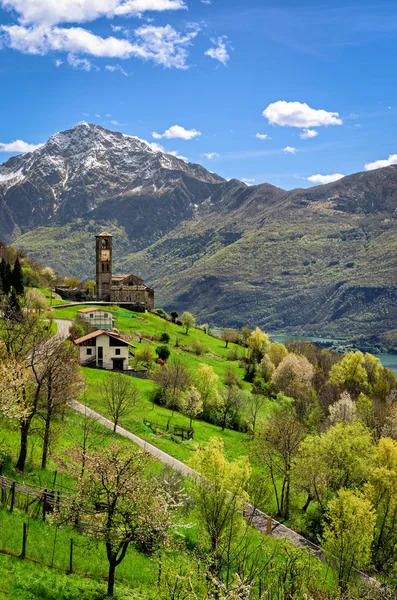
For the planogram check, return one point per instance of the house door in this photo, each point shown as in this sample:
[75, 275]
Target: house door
[118, 364]
[100, 356]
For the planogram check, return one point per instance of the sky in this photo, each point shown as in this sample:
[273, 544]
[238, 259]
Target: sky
[293, 93]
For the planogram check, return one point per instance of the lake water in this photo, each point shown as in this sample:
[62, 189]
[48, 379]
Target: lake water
[388, 360]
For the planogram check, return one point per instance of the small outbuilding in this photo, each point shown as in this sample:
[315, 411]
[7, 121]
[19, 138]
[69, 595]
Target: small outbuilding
[98, 318]
[105, 350]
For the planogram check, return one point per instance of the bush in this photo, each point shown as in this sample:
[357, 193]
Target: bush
[235, 354]
[198, 349]
[165, 338]
[161, 313]
[163, 352]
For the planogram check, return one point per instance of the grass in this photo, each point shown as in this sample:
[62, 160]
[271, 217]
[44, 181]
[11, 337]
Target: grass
[236, 443]
[148, 326]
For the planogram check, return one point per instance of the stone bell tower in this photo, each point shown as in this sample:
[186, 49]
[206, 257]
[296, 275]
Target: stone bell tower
[103, 266]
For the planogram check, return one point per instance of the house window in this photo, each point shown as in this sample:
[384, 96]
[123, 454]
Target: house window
[89, 351]
[105, 316]
[91, 315]
[117, 351]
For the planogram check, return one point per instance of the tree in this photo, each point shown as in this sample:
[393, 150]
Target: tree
[231, 402]
[17, 278]
[348, 533]
[61, 383]
[382, 492]
[350, 373]
[293, 373]
[173, 378]
[72, 282]
[90, 286]
[23, 350]
[265, 369]
[276, 352]
[188, 321]
[120, 396]
[293, 377]
[310, 470]
[125, 505]
[206, 382]
[221, 493]
[163, 352]
[146, 357]
[276, 449]
[228, 335]
[174, 315]
[258, 343]
[192, 405]
[343, 410]
[253, 406]
[36, 301]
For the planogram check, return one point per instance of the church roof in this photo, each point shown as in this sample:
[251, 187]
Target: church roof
[104, 234]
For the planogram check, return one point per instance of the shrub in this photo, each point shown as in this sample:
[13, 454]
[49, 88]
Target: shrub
[163, 352]
[161, 313]
[198, 349]
[165, 338]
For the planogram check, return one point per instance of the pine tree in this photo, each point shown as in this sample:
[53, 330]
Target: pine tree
[17, 278]
[2, 274]
[7, 278]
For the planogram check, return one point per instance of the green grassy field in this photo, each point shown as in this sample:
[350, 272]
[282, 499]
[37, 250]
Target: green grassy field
[148, 326]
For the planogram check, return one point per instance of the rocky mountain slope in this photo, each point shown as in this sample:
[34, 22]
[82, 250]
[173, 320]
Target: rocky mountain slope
[320, 261]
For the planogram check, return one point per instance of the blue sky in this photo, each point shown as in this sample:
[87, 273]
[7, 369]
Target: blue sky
[315, 79]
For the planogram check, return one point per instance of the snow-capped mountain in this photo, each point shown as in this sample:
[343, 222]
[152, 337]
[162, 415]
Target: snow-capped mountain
[76, 170]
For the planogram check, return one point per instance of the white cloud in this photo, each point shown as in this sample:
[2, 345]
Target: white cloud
[177, 155]
[220, 51]
[177, 132]
[98, 116]
[58, 62]
[307, 134]
[18, 146]
[298, 114]
[325, 178]
[248, 181]
[156, 147]
[51, 12]
[378, 164]
[163, 45]
[210, 155]
[114, 68]
[290, 150]
[263, 136]
[206, 1]
[79, 63]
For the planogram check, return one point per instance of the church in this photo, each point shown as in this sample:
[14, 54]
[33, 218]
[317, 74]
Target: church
[128, 289]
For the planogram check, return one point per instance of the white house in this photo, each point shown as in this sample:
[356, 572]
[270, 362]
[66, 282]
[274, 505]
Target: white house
[104, 348]
[97, 317]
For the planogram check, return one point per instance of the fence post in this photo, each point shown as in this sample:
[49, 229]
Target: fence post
[269, 526]
[12, 496]
[3, 491]
[44, 503]
[24, 537]
[71, 557]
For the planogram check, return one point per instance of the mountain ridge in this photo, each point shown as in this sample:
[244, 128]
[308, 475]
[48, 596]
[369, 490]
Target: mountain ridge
[317, 260]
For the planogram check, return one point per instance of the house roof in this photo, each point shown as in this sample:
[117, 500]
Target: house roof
[88, 310]
[99, 332]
